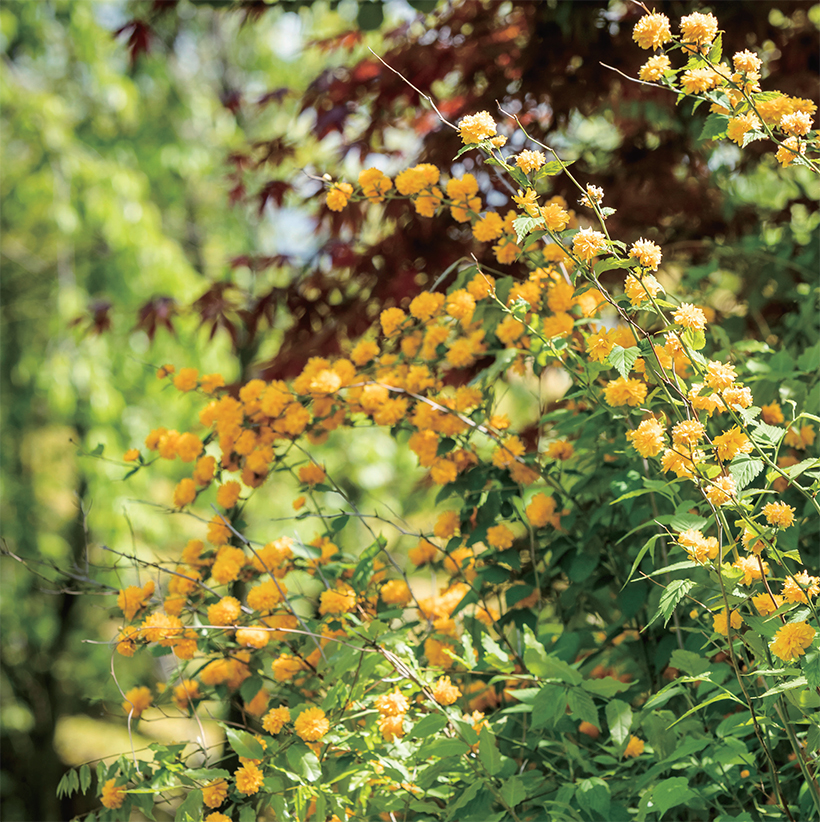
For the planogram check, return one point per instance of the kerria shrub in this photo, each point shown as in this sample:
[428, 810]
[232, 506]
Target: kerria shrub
[623, 624]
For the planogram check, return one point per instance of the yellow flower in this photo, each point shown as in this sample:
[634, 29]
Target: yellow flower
[423, 553]
[392, 704]
[791, 148]
[772, 413]
[374, 184]
[186, 380]
[418, 178]
[689, 316]
[699, 29]
[391, 319]
[747, 62]
[137, 700]
[738, 126]
[215, 792]
[779, 514]
[444, 692]
[640, 290]
[228, 493]
[391, 727]
[688, 432]
[653, 69]
[652, 31]
[799, 122]
[490, 227]
[541, 511]
[113, 795]
[721, 491]
[625, 391]
[560, 450]
[248, 778]
[634, 747]
[285, 667]
[133, 599]
[338, 196]
[719, 622]
[311, 474]
[797, 586]
[587, 243]
[529, 161]
[426, 305]
[648, 253]
[500, 536]
[395, 592]
[311, 725]
[767, 603]
[185, 692]
[131, 455]
[184, 493]
[337, 602]
[719, 375]
[751, 568]
[791, 641]
[647, 439]
[224, 612]
[731, 443]
[476, 127]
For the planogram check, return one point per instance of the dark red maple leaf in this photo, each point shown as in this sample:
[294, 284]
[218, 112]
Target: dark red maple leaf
[158, 311]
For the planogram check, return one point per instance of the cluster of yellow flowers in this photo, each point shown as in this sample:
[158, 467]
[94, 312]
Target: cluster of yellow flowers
[399, 375]
[734, 91]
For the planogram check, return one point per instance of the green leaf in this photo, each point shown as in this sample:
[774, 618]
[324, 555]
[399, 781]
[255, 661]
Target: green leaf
[606, 687]
[304, 763]
[672, 595]
[548, 706]
[250, 687]
[370, 15]
[582, 707]
[623, 358]
[798, 682]
[544, 665]
[671, 793]
[715, 127]
[429, 725]
[247, 813]
[593, 795]
[610, 263]
[551, 169]
[683, 522]
[744, 469]
[85, 778]
[244, 744]
[619, 719]
[513, 791]
[650, 543]
[207, 774]
[812, 668]
[443, 748]
[767, 435]
[191, 809]
[524, 225]
[364, 568]
[694, 338]
[488, 752]
[689, 662]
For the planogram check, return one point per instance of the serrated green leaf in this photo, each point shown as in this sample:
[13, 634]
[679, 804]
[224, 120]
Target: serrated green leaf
[85, 778]
[797, 682]
[488, 752]
[623, 358]
[744, 469]
[689, 662]
[429, 725]
[671, 793]
[672, 595]
[581, 706]
[250, 687]
[244, 744]
[593, 795]
[548, 706]
[524, 225]
[715, 127]
[694, 338]
[619, 719]
[191, 809]
[768, 435]
[606, 687]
